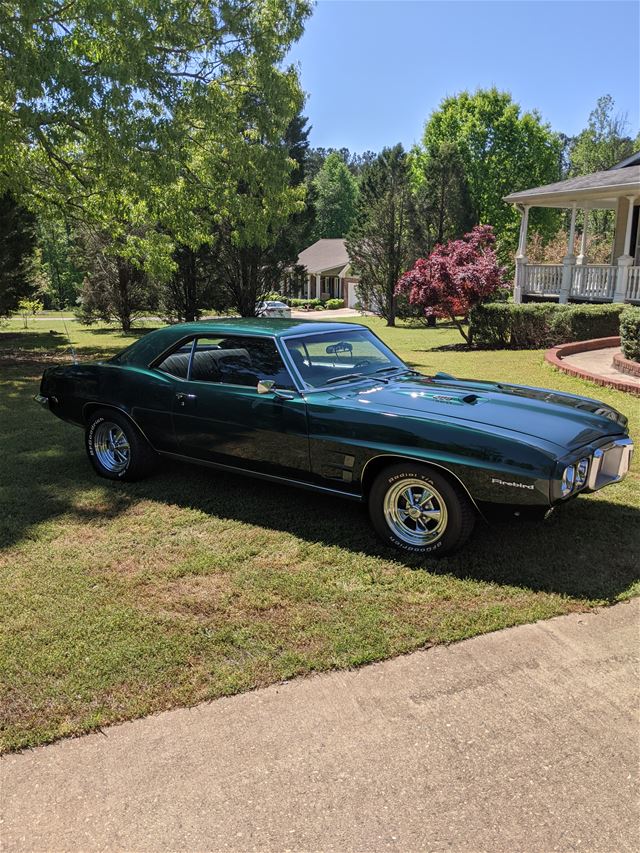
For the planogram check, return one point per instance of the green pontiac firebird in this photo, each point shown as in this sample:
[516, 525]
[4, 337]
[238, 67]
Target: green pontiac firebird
[330, 407]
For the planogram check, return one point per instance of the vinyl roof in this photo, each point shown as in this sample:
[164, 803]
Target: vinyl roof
[156, 342]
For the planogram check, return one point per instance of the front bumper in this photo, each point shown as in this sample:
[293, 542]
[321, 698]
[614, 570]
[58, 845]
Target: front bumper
[42, 400]
[609, 464]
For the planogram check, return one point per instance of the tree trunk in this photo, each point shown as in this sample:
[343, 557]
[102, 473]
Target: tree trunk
[190, 288]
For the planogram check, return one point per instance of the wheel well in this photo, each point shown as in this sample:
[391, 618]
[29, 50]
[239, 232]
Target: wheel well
[94, 407]
[379, 463]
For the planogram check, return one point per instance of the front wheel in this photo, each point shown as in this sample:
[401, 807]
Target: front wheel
[417, 509]
[116, 449]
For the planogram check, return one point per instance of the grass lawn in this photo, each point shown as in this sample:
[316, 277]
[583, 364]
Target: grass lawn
[119, 600]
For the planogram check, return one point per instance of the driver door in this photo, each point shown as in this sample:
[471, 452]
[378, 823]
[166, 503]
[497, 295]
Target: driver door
[220, 417]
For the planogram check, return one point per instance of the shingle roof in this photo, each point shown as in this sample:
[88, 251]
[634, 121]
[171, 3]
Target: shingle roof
[631, 160]
[324, 255]
[598, 183]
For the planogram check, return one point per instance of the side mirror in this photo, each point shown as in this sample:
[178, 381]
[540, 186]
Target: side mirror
[267, 386]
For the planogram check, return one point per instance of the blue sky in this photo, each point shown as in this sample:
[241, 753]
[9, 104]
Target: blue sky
[374, 71]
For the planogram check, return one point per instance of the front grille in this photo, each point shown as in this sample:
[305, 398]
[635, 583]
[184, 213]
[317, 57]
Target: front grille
[610, 463]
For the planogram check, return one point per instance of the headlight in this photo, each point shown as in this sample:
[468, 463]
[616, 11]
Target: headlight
[582, 469]
[568, 481]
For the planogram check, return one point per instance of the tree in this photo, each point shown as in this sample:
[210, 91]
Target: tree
[355, 162]
[29, 308]
[17, 245]
[116, 286]
[443, 199]
[455, 277]
[379, 244]
[503, 150]
[191, 287]
[249, 263]
[62, 278]
[124, 114]
[335, 198]
[602, 144]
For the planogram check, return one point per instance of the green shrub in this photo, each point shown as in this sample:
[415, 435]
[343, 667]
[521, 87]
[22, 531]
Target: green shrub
[334, 304]
[277, 297]
[304, 303]
[532, 325]
[630, 333]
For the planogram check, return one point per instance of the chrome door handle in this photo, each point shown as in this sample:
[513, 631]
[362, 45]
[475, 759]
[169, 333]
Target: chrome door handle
[182, 398]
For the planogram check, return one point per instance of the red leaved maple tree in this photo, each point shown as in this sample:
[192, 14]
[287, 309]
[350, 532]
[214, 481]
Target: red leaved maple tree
[456, 276]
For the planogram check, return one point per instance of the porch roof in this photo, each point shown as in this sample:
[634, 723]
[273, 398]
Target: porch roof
[600, 189]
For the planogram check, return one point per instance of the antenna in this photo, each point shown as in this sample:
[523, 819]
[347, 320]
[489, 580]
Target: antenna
[74, 355]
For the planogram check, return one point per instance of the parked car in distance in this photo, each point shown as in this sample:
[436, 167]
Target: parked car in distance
[328, 406]
[272, 308]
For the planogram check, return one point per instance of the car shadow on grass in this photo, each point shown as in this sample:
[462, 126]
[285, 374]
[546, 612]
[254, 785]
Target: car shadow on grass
[587, 550]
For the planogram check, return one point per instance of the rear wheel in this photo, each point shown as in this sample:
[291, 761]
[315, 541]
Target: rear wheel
[417, 509]
[116, 449]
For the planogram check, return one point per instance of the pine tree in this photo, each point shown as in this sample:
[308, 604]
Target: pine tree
[379, 244]
[336, 193]
[443, 200]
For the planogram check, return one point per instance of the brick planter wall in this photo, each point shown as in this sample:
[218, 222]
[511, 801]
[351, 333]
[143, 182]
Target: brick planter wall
[625, 365]
[555, 355]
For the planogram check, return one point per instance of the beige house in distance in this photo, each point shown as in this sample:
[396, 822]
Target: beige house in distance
[575, 279]
[327, 274]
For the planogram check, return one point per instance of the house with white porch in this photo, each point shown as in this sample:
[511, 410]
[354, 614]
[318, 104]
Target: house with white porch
[575, 279]
[326, 274]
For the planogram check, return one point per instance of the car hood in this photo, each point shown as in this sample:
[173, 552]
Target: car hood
[565, 420]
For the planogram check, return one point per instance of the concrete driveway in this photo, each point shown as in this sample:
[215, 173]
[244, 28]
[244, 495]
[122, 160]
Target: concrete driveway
[523, 740]
[338, 315]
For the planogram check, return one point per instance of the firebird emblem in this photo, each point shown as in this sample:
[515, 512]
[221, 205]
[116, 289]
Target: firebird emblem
[517, 485]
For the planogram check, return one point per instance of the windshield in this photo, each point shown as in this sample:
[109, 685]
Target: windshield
[342, 356]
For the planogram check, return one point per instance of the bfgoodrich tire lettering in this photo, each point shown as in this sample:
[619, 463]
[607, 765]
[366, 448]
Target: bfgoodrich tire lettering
[116, 449]
[419, 510]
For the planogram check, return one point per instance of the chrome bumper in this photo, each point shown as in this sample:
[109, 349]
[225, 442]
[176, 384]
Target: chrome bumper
[610, 463]
[43, 401]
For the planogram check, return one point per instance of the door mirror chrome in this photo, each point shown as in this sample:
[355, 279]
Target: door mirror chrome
[268, 386]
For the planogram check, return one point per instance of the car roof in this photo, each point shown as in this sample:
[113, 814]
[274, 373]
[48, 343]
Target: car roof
[158, 341]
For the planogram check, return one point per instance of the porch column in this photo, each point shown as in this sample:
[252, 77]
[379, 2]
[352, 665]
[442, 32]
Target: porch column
[625, 261]
[569, 260]
[318, 285]
[582, 257]
[521, 257]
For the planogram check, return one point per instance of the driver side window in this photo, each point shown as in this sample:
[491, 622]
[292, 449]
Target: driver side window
[237, 360]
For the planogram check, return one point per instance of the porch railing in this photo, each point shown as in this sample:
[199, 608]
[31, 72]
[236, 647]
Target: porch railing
[543, 279]
[594, 281]
[589, 282]
[633, 285]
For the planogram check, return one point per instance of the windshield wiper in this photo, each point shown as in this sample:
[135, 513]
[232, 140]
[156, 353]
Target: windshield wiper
[344, 378]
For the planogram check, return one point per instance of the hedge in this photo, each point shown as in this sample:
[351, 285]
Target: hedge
[305, 303]
[630, 333]
[334, 304]
[507, 325]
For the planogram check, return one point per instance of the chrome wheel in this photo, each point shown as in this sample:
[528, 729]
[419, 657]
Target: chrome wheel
[415, 511]
[111, 447]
